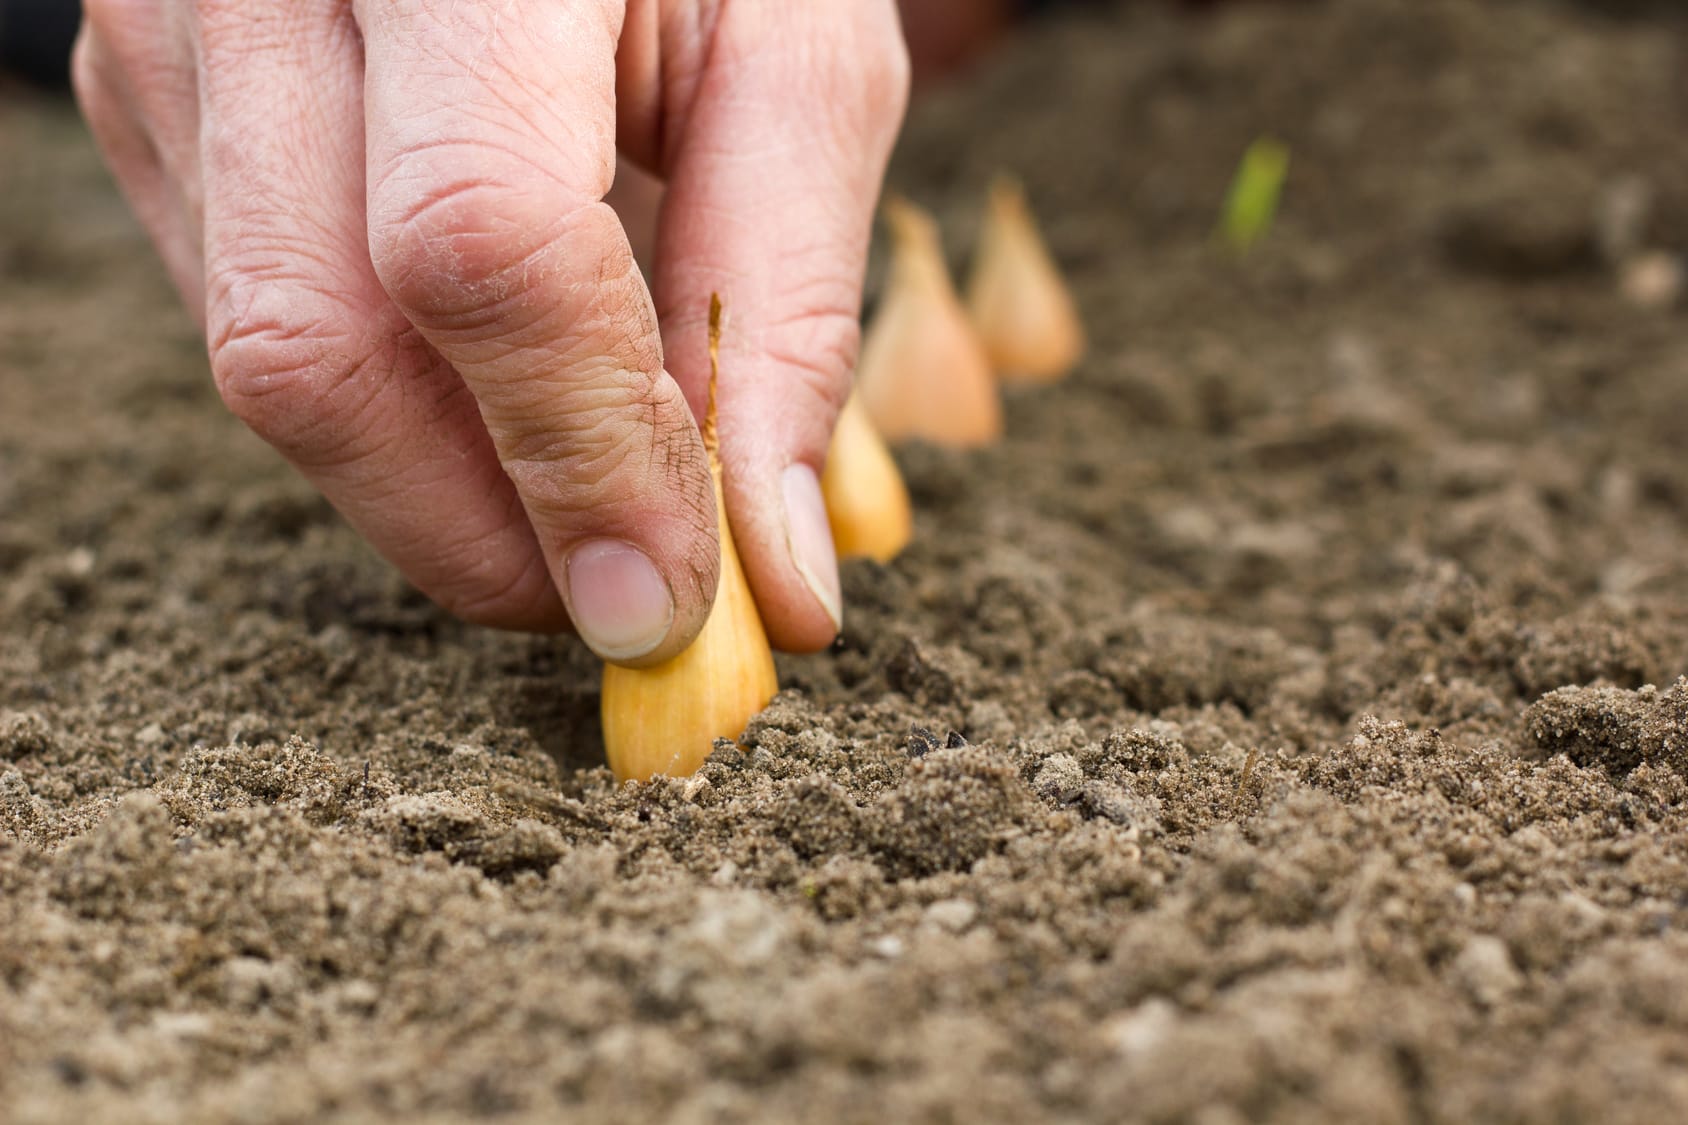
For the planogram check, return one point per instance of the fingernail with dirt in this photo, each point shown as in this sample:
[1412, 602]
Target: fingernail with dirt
[620, 602]
[809, 539]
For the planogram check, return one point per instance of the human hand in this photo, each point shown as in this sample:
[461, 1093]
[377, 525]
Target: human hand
[388, 217]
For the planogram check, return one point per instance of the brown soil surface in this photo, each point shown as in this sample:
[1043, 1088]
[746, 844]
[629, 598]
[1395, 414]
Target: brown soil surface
[1318, 647]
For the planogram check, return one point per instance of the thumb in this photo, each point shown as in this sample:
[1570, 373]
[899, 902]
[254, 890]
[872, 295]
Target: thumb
[773, 180]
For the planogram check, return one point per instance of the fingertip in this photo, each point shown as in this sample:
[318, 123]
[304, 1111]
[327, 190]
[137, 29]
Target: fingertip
[810, 550]
[621, 603]
[786, 547]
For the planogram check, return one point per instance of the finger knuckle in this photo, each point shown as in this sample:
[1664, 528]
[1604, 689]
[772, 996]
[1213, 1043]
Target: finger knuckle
[458, 247]
[894, 90]
[885, 77]
[446, 248]
[84, 74]
[294, 378]
[94, 79]
[876, 89]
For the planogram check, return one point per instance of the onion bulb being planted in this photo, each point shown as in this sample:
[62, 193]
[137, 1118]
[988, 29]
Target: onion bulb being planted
[665, 720]
[866, 501]
[1019, 303]
[923, 371]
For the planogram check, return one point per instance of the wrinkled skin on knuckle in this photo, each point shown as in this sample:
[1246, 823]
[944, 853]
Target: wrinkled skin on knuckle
[614, 293]
[693, 513]
[297, 380]
[591, 313]
[482, 182]
[453, 250]
[288, 390]
[512, 264]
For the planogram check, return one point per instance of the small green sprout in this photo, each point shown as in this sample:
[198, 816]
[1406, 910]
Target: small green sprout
[1253, 199]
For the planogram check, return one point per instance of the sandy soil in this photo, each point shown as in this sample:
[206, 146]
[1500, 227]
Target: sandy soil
[1317, 652]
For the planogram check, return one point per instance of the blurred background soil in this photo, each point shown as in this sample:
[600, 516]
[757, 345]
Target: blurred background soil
[1317, 649]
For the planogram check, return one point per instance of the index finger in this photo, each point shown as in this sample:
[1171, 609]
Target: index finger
[491, 143]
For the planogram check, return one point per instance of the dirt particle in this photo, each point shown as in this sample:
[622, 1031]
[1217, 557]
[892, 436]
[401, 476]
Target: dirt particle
[526, 845]
[1059, 780]
[1485, 970]
[427, 821]
[817, 817]
[296, 775]
[24, 734]
[954, 807]
[928, 675]
[952, 915]
[1613, 728]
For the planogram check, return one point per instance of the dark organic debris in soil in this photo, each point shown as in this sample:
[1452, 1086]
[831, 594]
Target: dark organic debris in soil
[1285, 723]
